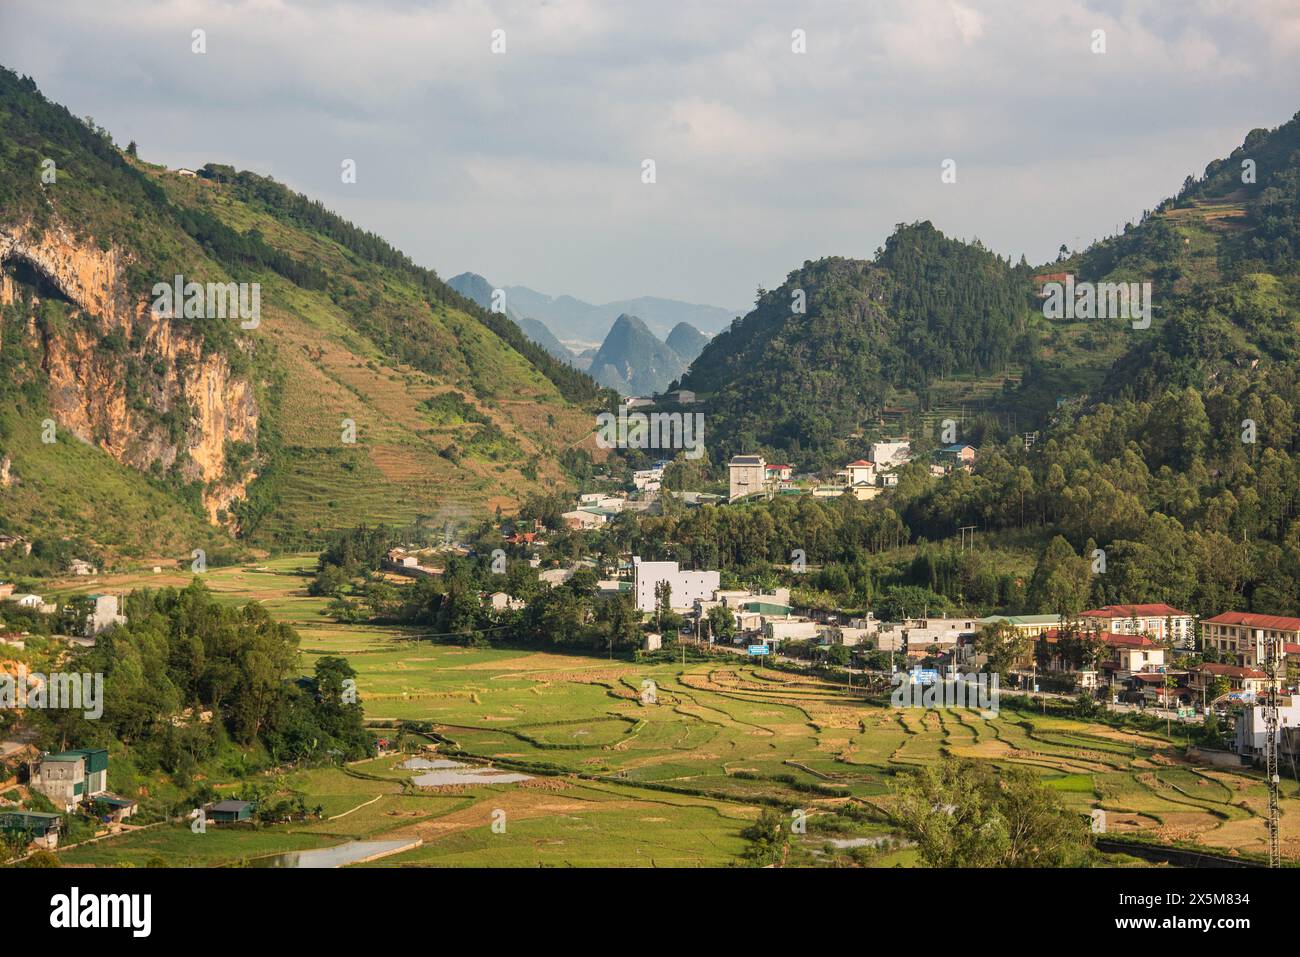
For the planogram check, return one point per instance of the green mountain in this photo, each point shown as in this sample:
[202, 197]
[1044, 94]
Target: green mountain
[820, 358]
[1222, 257]
[933, 328]
[153, 434]
[477, 289]
[687, 341]
[633, 361]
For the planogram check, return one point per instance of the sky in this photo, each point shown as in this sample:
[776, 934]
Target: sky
[527, 165]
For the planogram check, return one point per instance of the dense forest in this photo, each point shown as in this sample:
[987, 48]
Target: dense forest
[816, 358]
[189, 680]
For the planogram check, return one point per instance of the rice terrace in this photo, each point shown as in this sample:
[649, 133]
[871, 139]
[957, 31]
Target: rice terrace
[516, 757]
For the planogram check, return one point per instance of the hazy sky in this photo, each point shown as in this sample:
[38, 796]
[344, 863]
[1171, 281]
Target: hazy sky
[526, 166]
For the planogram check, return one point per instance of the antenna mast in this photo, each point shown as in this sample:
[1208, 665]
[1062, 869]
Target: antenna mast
[1270, 749]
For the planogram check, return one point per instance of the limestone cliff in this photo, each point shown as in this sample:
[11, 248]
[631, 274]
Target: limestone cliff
[182, 412]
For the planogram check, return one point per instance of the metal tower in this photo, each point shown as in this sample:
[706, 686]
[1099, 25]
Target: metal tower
[1270, 749]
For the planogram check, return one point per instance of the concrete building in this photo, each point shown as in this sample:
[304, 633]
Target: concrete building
[35, 827]
[924, 632]
[103, 614]
[500, 601]
[1252, 732]
[848, 636]
[585, 517]
[1132, 653]
[1157, 621]
[230, 812]
[648, 480]
[777, 630]
[891, 453]
[687, 587]
[70, 777]
[1030, 625]
[957, 456]
[1243, 636]
[1240, 679]
[747, 476]
[857, 472]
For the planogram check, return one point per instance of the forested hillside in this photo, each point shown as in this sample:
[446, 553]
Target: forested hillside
[817, 358]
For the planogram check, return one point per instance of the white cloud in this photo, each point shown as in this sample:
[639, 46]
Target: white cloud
[526, 166]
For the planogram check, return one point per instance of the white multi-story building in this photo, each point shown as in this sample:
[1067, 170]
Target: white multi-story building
[860, 472]
[686, 587]
[1158, 621]
[924, 632]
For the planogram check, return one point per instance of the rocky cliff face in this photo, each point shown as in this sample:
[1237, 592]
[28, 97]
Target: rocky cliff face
[206, 404]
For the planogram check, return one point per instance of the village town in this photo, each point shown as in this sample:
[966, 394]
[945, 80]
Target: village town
[1146, 657]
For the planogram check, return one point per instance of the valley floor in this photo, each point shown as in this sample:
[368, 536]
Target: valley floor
[614, 780]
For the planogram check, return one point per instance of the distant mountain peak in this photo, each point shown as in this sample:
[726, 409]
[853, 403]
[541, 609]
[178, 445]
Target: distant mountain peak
[687, 341]
[633, 360]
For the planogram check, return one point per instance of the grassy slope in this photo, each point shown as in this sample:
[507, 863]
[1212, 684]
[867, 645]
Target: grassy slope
[77, 489]
[394, 472]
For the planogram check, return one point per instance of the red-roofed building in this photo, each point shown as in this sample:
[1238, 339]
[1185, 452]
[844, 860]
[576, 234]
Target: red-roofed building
[1126, 654]
[858, 473]
[1243, 635]
[780, 473]
[1163, 623]
[1131, 653]
[1239, 678]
